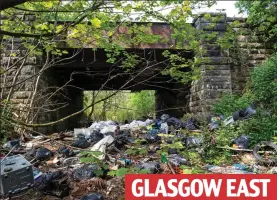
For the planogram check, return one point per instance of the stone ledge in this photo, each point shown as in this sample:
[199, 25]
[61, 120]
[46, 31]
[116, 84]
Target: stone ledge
[215, 67]
[254, 45]
[253, 51]
[232, 19]
[241, 25]
[217, 73]
[12, 60]
[22, 94]
[217, 86]
[211, 26]
[225, 79]
[216, 60]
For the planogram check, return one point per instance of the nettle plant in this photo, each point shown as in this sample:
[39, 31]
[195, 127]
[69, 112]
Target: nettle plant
[121, 172]
[91, 157]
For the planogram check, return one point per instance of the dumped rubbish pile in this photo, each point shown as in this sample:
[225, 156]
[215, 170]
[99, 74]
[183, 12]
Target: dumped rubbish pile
[90, 163]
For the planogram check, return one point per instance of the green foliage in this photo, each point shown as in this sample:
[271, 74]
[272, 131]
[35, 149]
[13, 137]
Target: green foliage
[136, 151]
[5, 124]
[264, 84]
[260, 127]
[230, 103]
[121, 172]
[124, 105]
[144, 103]
[262, 15]
[191, 170]
[215, 156]
[90, 157]
[91, 153]
[180, 68]
[177, 145]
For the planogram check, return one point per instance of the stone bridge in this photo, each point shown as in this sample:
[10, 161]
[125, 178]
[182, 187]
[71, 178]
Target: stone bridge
[224, 71]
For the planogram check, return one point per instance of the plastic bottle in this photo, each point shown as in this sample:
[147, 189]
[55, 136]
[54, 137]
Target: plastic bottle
[164, 160]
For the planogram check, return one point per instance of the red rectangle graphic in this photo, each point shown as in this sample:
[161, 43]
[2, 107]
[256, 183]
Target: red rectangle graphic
[203, 186]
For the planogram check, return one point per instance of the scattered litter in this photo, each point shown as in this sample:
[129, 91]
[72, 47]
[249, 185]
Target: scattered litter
[43, 154]
[173, 121]
[93, 197]
[244, 113]
[172, 151]
[164, 128]
[84, 132]
[53, 184]
[164, 117]
[152, 136]
[176, 160]
[69, 164]
[102, 145]
[236, 169]
[15, 168]
[272, 170]
[191, 124]
[153, 167]
[84, 172]
[241, 142]
[11, 143]
[192, 141]
[81, 143]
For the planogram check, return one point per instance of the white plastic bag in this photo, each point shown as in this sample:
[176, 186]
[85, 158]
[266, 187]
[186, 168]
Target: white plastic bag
[102, 145]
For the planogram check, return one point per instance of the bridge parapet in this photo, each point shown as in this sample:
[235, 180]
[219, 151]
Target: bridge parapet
[224, 70]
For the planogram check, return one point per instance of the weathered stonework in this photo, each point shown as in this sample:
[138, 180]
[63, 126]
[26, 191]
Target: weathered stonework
[225, 70]
[249, 51]
[215, 67]
[41, 108]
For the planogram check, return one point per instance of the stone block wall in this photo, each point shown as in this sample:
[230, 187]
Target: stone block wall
[215, 68]
[19, 76]
[225, 70]
[249, 51]
[49, 103]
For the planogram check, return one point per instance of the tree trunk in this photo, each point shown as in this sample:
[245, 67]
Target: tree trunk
[92, 108]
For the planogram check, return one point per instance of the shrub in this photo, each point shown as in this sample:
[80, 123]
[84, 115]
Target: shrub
[6, 127]
[260, 127]
[264, 84]
[263, 91]
[230, 103]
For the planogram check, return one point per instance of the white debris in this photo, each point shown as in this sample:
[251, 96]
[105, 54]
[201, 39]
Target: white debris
[102, 145]
[164, 128]
[83, 132]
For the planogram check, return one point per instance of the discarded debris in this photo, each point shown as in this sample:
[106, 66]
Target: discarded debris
[241, 142]
[43, 154]
[81, 143]
[93, 197]
[152, 167]
[177, 160]
[88, 163]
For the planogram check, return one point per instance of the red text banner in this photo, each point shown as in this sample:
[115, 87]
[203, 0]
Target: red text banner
[201, 186]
